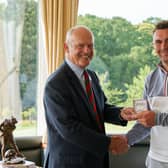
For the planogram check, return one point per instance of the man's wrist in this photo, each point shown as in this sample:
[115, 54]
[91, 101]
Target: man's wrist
[120, 117]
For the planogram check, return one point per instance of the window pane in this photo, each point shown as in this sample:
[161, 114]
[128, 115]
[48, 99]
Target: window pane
[18, 82]
[123, 51]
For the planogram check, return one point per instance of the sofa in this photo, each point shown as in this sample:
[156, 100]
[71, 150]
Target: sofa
[134, 158]
[31, 147]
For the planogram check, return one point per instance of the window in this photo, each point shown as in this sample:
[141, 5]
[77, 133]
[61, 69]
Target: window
[122, 59]
[18, 59]
[123, 51]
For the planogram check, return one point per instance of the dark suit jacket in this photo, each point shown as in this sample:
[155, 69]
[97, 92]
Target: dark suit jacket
[74, 137]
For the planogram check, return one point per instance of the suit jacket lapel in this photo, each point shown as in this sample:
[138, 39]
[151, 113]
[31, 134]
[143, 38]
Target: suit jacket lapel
[80, 91]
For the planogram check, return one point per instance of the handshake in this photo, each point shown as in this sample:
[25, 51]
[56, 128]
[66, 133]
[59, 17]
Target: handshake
[119, 143]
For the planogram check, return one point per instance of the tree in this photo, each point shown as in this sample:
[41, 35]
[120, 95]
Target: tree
[112, 36]
[124, 67]
[121, 48]
[135, 90]
[152, 20]
[99, 65]
[28, 68]
[114, 96]
[144, 35]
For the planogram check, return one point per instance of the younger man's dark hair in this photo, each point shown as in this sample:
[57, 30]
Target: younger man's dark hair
[161, 25]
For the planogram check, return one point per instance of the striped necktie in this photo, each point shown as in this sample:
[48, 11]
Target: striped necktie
[90, 95]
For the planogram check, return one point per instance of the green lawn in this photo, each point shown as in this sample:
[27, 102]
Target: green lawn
[26, 128]
[115, 129]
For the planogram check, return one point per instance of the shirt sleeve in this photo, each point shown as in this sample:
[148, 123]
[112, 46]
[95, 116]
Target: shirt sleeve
[137, 133]
[161, 119]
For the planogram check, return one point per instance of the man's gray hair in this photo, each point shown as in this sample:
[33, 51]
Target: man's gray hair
[72, 29]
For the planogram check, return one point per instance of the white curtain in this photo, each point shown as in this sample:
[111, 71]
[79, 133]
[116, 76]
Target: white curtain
[42, 76]
[11, 25]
